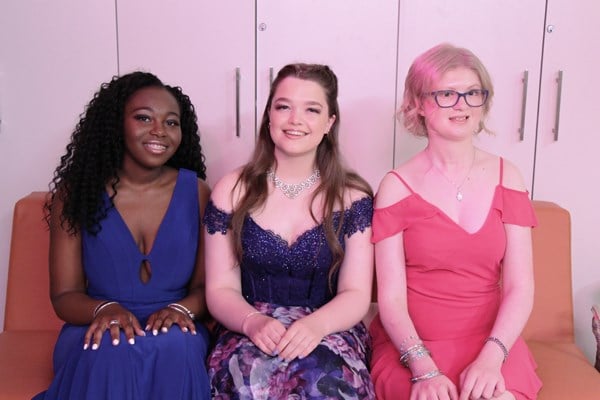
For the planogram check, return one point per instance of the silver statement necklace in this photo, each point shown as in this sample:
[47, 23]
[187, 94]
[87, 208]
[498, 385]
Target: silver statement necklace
[292, 190]
[459, 194]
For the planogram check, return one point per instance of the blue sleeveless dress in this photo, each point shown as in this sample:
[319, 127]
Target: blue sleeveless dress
[288, 282]
[167, 366]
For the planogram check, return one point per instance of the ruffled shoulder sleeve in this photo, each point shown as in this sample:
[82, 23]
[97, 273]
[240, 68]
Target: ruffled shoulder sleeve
[216, 220]
[395, 218]
[515, 207]
[358, 217]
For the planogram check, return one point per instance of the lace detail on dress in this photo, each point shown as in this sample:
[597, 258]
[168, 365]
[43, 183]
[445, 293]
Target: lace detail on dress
[216, 220]
[356, 218]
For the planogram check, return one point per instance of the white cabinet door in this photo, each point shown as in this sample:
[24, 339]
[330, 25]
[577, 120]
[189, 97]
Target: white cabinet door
[507, 37]
[357, 39]
[205, 47]
[52, 60]
[566, 171]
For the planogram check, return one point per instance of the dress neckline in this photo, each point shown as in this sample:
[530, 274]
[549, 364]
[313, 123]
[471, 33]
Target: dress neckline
[165, 217]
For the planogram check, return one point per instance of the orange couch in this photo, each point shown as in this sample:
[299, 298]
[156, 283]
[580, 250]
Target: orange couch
[564, 370]
[31, 326]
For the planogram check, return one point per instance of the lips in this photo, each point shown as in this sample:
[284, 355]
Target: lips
[295, 133]
[461, 118]
[155, 147]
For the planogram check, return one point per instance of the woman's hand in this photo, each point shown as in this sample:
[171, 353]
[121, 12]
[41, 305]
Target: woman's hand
[300, 339]
[436, 388]
[113, 318]
[265, 332]
[164, 318]
[482, 379]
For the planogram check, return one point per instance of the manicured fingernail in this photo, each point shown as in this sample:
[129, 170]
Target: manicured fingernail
[115, 342]
[131, 341]
[164, 329]
[85, 346]
[143, 333]
[147, 328]
[194, 332]
[155, 332]
[185, 329]
[95, 346]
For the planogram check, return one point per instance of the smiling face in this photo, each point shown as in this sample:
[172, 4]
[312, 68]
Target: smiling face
[152, 130]
[457, 122]
[299, 117]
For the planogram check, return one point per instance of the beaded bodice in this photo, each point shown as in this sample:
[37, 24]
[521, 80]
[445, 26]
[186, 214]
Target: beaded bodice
[274, 271]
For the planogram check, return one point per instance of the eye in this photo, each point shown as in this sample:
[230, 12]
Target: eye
[173, 122]
[314, 110]
[281, 107]
[475, 92]
[142, 117]
[447, 93]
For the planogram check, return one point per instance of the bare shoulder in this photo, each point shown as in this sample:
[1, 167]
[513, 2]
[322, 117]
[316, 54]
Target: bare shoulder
[512, 177]
[225, 191]
[203, 192]
[392, 189]
[352, 195]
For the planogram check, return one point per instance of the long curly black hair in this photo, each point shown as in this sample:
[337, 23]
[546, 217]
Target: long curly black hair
[94, 156]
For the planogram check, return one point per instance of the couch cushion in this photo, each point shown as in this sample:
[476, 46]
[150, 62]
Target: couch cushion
[26, 365]
[28, 304]
[565, 372]
[551, 319]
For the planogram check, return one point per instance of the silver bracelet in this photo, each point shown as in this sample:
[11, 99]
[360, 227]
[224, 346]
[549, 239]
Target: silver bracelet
[251, 313]
[414, 353]
[500, 344]
[424, 377]
[102, 306]
[182, 309]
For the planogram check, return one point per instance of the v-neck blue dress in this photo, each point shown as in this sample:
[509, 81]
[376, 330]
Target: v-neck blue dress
[167, 366]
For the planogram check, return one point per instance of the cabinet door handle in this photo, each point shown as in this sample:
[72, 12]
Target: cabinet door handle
[524, 104]
[238, 78]
[270, 77]
[559, 82]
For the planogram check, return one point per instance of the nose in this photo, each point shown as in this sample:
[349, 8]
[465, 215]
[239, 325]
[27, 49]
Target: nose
[157, 129]
[294, 117]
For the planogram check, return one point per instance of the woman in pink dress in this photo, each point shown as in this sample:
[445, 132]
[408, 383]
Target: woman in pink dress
[452, 233]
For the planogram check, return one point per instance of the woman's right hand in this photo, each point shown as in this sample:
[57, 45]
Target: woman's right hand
[264, 331]
[436, 388]
[113, 318]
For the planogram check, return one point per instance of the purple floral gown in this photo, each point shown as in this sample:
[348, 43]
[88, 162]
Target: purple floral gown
[288, 282]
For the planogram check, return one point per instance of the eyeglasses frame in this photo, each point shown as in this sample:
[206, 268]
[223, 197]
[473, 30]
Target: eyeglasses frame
[434, 94]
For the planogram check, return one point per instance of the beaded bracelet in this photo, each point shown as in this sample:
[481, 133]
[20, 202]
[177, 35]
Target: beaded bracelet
[424, 377]
[102, 306]
[414, 353]
[182, 309]
[500, 344]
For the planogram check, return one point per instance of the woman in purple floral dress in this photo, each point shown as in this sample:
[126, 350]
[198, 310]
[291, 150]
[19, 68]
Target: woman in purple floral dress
[289, 265]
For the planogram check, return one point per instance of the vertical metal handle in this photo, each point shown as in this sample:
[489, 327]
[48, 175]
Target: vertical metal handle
[238, 78]
[559, 81]
[523, 105]
[270, 77]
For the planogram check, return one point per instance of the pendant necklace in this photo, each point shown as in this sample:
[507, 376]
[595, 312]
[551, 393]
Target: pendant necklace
[292, 190]
[459, 194]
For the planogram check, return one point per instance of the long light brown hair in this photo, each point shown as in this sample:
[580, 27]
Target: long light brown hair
[335, 177]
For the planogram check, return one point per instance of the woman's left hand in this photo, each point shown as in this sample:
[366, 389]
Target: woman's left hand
[163, 319]
[482, 379]
[300, 339]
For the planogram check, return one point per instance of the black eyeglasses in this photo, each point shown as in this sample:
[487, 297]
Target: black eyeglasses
[449, 98]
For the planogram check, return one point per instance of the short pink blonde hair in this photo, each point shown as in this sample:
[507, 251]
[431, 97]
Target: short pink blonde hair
[429, 67]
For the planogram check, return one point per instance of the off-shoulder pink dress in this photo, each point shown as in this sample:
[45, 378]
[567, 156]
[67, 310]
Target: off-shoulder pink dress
[453, 291]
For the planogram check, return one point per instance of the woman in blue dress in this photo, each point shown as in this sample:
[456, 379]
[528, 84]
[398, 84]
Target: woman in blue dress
[126, 248]
[289, 265]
